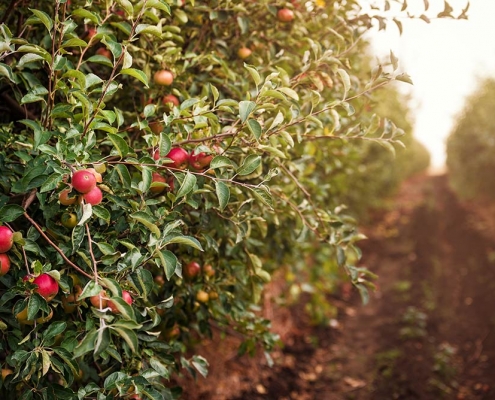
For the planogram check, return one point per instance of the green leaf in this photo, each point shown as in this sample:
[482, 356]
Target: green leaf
[254, 74]
[102, 212]
[34, 305]
[127, 6]
[169, 262]
[165, 144]
[289, 92]
[54, 329]
[91, 289]
[112, 285]
[44, 18]
[120, 144]
[10, 212]
[187, 240]
[187, 185]
[136, 73]
[92, 16]
[223, 194]
[128, 335]
[404, 78]
[255, 128]
[245, 109]
[87, 213]
[220, 162]
[124, 308]
[5, 70]
[160, 368]
[200, 364]
[263, 195]
[346, 81]
[249, 165]
[102, 340]
[147, 220]
[51, 183]
[150, 29]
[87, 344]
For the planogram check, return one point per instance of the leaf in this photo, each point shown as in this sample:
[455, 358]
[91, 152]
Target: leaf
[255, 128]
[128, 335]
[5, 70]
[87, 344]
[223, 194]
[263, 196]
[54, 329]
[87, 213]
[249, 165]
[160, 368]
[169, 262]
[404, 78]
[91, 289]
[165, 144]
[124, 308]
[147, 220]
[44, 18]
[289, 92]
[10, 212]
[102, 340]
[136, 73]
[112, 285]
[120, 144]
[33, 307]
[200, 364]
[187, 185]
[245, 109]
[50, 184]
[46, 364]
[346, 81]
[220, 162]
[187, 240]
[254, 74]
[394, 60]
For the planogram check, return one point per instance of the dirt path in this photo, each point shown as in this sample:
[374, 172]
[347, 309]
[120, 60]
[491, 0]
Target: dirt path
[428, 332]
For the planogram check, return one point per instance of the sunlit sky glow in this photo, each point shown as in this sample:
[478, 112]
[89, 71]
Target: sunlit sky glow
[445, 59]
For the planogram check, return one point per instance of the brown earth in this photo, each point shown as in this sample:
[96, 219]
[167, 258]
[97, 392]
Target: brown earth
[428, 332]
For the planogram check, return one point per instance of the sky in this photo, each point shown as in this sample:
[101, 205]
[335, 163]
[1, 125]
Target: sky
[445, 60]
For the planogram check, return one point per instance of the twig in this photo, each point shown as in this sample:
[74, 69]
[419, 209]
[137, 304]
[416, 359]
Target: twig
[58, 249]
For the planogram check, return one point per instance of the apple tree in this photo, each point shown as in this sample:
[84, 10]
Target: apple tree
[159, 160]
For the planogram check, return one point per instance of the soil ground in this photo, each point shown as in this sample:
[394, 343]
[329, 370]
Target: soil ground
[427, 333]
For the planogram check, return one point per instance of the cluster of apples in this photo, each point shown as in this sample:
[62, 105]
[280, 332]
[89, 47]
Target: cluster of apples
[181, 159]
[6, 243]
[84, 182]
[47, 287]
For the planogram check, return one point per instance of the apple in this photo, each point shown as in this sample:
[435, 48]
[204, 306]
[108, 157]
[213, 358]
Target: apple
[65, 199]
[202, 296]
[170, 98]
[99, 299]
[156, 127]
[94, 196]
[83, 181]
[47, 286]
[180, 158]
[213, 295]
[244, 52]
[4, 264]
[97, 175]
[156, 177]
[22, 318]
[6, 239]
[171, 183]
[69, 303]
[6, 372]
[163, 77]
[285, 15]
[102, 51]
[191, 270]
[127, 298]
[200, 161]
[69, 220]
[159, 280]
[208, 270]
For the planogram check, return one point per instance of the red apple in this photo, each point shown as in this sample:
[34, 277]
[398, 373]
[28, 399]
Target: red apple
[200, 160]
[6, 239]
[191, 270]
[170, 98]
[47, 286]
[180, 158]
[163, 77]
[285, 15]
[102, 51]
[4, 264]
[208, 270]
[83, 181]
[127, 298]
[94, 196]
[156, 177]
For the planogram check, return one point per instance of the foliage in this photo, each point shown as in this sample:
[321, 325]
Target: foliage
[77, 81]
[471, 145]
